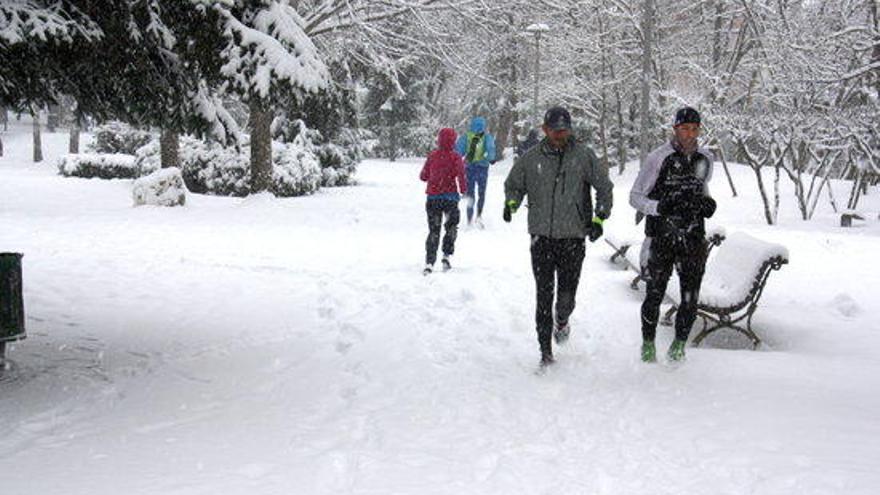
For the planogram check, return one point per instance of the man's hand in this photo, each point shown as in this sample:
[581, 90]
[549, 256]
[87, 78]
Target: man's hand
[595, 229]
[667, 207]
[683, 197]
[707, 206]
[510, 208]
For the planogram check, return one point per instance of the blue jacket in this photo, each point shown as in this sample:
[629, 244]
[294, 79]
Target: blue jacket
[478, 124]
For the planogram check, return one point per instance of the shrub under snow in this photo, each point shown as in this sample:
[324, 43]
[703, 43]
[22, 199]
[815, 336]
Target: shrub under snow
[102, 166]
[163, 187]
[147, 158]
[210, 168]
[296, 171]
[339, 159]
[119, 137]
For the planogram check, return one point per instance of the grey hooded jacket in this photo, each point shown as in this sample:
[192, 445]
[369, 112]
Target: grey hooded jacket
[558, 187]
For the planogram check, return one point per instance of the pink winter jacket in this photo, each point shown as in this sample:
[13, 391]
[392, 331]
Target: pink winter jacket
[444, 167]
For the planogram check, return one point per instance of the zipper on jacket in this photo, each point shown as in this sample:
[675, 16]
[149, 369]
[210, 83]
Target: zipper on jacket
[553, 198]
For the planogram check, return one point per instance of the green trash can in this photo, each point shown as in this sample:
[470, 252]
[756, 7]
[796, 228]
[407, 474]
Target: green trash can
[11, 300]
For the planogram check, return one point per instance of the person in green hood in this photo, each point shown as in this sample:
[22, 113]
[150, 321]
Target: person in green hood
[478, 149]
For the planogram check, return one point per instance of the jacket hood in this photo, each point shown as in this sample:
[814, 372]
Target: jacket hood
[446, 138]
[478, 124]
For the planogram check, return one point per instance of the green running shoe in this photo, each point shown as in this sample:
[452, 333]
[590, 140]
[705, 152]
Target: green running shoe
[676, 350]
[649, 352]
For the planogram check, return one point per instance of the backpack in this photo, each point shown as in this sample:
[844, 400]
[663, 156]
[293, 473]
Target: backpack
[475, 150]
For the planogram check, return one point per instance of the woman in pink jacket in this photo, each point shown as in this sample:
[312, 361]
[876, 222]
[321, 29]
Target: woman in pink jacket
[444, 173]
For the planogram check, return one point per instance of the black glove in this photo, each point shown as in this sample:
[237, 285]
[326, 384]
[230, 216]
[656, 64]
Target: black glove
[595, 230]
[667, 207]
[510, 207]
[681, 205]
[683, 197]
[707, 206]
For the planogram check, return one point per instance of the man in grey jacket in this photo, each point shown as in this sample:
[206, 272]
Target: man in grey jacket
[557, 175]
[672, 190]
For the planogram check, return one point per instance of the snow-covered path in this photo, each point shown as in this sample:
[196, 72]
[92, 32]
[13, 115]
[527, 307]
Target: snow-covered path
[266, 345]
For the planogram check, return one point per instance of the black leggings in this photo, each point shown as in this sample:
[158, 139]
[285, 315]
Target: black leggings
[556, 263]
[436, 209]
[688, 255]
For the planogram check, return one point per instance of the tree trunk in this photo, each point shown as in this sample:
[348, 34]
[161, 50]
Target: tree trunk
[4, 118]
[38, 142]
[603, 98]
[169, 148]
[815, 199]
[52, 118]
[717, 34]
[875, 15]
[505, 125]
[261, 146]
[726, 171]
[73, 144]
[854, 194]
[1, 145]
[64, 107]
[75, 120]
[647, 64]
[776, 193]
[767, 213]
[831, 199]
[622, 144]
[505, 133]
[756, 164]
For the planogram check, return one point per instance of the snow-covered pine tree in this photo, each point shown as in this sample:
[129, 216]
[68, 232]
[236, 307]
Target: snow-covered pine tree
[266, 56]
[32, 32]
[149, 80]
[116, 58]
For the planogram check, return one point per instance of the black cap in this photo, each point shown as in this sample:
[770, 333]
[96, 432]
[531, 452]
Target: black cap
[686, 115]
[557, 118]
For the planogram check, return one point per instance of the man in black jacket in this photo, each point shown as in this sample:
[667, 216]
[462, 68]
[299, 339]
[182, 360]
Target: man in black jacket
[672, 191]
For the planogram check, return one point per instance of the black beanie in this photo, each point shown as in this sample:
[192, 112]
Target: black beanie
[686, 115]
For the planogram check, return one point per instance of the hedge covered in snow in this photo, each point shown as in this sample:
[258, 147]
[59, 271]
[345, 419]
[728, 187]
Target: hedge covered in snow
[102, 166]
[339, 160]
[209, 168]
[118, 137]
[161, 188]
[295, 170]
[299, 167]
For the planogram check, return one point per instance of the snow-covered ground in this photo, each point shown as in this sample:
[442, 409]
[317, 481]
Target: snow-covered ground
[292, 346]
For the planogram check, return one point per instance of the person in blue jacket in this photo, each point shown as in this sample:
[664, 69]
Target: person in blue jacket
[478, 149]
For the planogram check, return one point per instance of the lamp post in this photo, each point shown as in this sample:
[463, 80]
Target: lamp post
[536, 30]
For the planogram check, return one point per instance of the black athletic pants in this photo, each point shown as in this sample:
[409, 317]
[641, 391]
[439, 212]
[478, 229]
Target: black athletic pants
[688, 255]
[436, 209]
[556, 263]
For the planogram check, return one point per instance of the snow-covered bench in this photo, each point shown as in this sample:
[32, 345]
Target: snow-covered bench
[848, 217]
[626, 251]
[732, 285]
